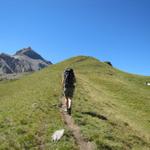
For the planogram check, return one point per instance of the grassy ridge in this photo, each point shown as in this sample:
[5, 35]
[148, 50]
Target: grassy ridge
[110, 106]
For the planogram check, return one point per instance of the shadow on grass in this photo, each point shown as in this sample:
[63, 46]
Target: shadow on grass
[94, 114]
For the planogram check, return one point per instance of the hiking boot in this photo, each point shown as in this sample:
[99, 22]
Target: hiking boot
[69, 111]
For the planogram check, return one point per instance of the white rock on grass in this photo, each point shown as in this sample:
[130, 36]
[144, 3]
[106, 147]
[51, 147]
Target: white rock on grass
[58, 135]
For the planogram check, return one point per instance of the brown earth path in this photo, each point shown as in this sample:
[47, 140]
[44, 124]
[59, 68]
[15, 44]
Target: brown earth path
[75, 129]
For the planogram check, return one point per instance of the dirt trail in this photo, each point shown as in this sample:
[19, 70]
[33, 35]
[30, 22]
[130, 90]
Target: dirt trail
[83, 145]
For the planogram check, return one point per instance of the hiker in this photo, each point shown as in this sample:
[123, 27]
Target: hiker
[68, 83]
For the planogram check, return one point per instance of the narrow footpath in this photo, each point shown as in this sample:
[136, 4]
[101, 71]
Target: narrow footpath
[75, 129]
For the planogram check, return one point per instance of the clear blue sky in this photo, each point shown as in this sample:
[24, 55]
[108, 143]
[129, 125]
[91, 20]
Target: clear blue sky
[114, 30]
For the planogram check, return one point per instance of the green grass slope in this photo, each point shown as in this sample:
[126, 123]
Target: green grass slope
[111, 108]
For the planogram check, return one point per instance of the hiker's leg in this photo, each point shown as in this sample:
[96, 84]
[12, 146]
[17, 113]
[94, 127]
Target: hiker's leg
[69, 103]
[69, 106]
[66, 97]
[66, 102]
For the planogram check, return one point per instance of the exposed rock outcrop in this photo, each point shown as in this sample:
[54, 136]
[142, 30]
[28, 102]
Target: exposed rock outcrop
[108, 63]
[25, 60]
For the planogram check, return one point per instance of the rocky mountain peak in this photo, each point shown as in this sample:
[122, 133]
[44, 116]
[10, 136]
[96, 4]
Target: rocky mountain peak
[24, 60]
[23, 50]
[30, 53]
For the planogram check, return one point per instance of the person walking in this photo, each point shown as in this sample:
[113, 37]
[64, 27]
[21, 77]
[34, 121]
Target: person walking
[68, 83]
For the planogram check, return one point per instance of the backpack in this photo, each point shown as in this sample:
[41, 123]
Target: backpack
[69, 77]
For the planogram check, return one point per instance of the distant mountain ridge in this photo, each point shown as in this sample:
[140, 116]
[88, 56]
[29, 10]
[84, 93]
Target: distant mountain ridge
[24, 60]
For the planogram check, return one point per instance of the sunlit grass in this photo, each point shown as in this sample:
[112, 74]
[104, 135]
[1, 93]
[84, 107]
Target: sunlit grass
[28, 115]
